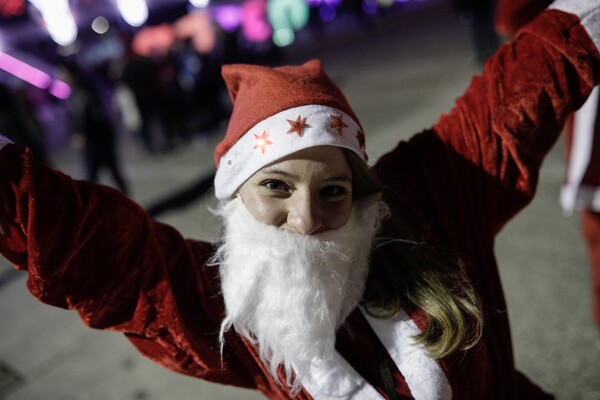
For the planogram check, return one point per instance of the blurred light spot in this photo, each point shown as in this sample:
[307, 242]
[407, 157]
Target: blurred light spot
[12, 7]
[287, 16]
[100, 25]
[134, 12]
[197, 26]
[255, 26]
[327, 12]
[59, 20]
[153, 41]
[283, 37]
[229, 17]
[200, 3]
[292, 14]
[369, 6]
[34, 76]
[59, 89]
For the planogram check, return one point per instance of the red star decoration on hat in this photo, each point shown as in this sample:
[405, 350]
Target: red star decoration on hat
[337, 123]
[297, 126]
[262, 141]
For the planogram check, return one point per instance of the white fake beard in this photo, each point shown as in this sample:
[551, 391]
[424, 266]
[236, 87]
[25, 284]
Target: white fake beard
[288, 293]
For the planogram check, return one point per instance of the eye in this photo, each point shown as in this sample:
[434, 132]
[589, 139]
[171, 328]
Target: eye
[275, 185]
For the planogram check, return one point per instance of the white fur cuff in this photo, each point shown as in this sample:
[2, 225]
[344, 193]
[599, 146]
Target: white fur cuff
[588, 12]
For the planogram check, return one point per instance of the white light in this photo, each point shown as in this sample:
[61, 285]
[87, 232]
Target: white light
[283, 37]
[200, 3]
[134, 12]
[62, 30]
[59, 20]
[100, 25]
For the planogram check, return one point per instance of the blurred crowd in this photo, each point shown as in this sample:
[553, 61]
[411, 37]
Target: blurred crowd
[162, 86]
[161, 83]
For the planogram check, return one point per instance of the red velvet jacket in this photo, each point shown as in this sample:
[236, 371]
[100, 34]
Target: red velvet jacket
[88, 248]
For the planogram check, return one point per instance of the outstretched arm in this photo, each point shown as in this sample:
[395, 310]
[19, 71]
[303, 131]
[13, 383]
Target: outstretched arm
[479, 165]
[89, 248]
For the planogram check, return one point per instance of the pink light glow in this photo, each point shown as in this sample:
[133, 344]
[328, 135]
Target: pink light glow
[34, 76]
[199, 27]
[60, 89]
[24, 71]
[12, 7]
[254, 23]
[229, 17]
[154, 40]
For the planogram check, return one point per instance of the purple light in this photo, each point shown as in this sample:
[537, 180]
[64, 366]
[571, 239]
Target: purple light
[24, 71]
[369, 6]
[34, 76]
[229, 17]
[327, 12]
[313, 3]
[60, 89]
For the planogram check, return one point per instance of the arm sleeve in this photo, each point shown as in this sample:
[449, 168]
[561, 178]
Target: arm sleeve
[479, 164]
[512, 14]
[89, 248]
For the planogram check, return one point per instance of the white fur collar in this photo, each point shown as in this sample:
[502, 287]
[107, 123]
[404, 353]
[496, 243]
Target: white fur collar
[336, 379]
[424, 376]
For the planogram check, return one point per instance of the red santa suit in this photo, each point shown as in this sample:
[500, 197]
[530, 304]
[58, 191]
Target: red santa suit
[581, 189]
[88, 248]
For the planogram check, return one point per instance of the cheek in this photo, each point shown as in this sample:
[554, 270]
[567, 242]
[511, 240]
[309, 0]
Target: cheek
[263, 209]
[339, 215]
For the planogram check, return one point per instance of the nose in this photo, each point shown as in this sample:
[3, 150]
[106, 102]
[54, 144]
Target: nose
[304, 215]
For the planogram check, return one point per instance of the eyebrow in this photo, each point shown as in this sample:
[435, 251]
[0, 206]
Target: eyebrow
[285, 174]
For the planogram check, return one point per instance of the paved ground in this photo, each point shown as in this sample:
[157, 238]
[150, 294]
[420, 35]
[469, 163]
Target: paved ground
[399, 80]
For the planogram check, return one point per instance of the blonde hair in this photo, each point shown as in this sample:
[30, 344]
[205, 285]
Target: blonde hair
[415, 276]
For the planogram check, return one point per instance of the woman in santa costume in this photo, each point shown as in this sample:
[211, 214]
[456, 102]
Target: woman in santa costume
[332, 280]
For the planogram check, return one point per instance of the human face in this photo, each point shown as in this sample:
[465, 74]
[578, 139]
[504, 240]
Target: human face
[307, 192]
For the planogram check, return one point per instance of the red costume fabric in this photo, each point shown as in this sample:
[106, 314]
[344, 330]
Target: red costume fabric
[513, 14]
[581, 189]
[590, 225]
[88, 248]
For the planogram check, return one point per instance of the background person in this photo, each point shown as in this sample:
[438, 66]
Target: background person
[93, 126]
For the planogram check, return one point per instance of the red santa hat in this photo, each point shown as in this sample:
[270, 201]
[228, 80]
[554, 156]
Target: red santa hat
[277, 112]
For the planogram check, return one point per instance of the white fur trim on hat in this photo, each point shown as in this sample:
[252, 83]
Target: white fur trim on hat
[274, 138]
